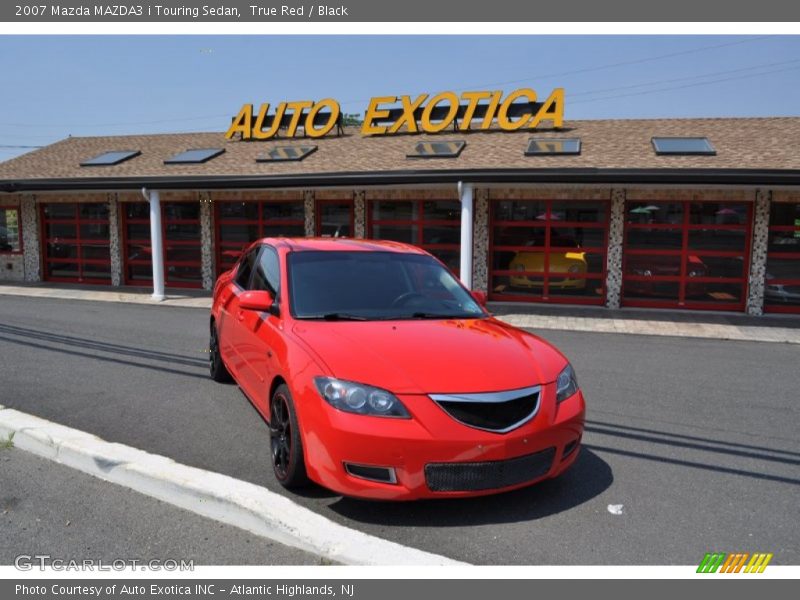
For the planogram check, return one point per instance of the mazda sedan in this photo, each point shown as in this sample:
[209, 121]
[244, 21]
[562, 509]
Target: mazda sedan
[382, 377]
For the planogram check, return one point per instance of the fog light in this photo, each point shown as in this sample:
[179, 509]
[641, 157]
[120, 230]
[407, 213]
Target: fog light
[371, 473]
[570, 448]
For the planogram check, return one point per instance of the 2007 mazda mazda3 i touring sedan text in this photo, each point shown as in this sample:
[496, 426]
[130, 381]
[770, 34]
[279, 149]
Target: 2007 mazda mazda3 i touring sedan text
[382, 377]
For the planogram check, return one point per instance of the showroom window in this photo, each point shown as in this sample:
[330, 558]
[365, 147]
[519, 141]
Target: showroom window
[334, 218]
[180, 222]
[782, 286]
[684, 254]
[75, 246]
[10, 231]
[238, 224]
[434, 225]
[548, 250]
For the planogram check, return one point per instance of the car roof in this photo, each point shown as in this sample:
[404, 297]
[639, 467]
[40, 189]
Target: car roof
[340, 244]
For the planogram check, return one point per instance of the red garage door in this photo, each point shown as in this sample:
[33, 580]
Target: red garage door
[548, 251]
[782, 290]
[75, 245]
[240, 223]
[180, 222]
[434, 225]
[686, 254]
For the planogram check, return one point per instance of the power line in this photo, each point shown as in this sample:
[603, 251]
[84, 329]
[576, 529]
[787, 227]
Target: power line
[704, 75]
[10, 146]
[688, 85]
[749, 39]
[607, 66]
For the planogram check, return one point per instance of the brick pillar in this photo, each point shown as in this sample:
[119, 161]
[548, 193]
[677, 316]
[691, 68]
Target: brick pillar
[480, 241]
[207, 240]
[308, 205]
[29, 215]
[114, 239]
[758, 256]
[614, 255]
[359, 214]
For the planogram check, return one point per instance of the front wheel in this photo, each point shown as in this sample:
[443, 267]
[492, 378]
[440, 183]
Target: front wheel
[285, 443]
[216, 367]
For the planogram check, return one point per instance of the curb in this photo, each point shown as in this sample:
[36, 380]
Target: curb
[706, 331]
[219, 497]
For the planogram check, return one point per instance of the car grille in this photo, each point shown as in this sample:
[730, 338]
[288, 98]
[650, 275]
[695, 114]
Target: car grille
[471, 477]
[498, 411]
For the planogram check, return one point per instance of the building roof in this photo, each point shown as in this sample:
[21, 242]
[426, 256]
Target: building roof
[748, 150]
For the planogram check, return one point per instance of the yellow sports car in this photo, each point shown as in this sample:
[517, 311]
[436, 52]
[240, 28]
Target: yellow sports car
[568, 263]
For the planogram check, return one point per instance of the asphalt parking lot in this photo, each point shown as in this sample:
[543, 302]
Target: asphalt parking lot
[696, 439]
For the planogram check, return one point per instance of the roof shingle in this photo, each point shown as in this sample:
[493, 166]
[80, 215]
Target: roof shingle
[746, 143]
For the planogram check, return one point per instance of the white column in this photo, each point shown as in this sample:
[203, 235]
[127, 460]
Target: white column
[157, 245]
[465, 194]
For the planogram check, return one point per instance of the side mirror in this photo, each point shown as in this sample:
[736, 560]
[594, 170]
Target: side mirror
[480, 297]
[258, 300]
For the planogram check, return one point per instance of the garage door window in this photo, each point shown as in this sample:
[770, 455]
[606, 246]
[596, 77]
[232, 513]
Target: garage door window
[782, 289]
[10, 233]
[434, 225]
[75, 246]
[241, 223]
[686, 254]
[548, 251]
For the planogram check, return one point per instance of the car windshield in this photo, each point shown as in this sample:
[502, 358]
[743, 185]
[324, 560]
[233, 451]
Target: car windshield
[367, 286]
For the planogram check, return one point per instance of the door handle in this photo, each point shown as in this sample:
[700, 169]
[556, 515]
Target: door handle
[240, 315]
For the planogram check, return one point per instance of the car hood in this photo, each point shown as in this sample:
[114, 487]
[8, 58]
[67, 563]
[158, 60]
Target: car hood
[430, 356]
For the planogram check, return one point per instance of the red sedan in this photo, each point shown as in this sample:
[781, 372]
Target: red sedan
[382, 377]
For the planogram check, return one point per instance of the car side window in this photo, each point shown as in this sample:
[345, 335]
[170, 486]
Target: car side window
[268, 273]
[246, 269]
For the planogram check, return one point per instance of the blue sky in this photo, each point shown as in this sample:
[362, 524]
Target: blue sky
[55, 86]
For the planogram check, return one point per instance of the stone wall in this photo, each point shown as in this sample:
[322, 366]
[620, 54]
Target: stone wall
[616, 225]
[480, 240]
[758, 255]
[207, 253]
[29, 214]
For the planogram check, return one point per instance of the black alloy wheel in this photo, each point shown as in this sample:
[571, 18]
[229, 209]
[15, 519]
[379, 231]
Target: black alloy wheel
[216, 367]
[285, 442]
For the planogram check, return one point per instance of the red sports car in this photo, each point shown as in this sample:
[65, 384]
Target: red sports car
[382, 377]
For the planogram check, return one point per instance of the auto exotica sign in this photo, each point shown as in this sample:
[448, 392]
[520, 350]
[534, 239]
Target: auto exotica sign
[387, 115]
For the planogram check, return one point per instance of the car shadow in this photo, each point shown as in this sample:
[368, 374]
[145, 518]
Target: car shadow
[588, 477]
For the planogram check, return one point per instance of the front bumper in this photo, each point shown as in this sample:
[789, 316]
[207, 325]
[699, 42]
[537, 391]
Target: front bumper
[560, 281]
[454, 455]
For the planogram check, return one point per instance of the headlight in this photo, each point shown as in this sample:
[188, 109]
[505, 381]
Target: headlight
[359, 398]
[566, 384]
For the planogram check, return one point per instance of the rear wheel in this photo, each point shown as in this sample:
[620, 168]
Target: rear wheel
[285, 443]
[217, 369]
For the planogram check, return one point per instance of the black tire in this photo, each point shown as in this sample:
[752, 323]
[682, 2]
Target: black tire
[217, 369]
[286, 446]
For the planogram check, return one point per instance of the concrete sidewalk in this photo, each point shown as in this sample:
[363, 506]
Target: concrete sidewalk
[694, 324]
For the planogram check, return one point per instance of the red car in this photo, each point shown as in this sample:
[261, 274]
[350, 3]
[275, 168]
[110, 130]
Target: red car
[382, 377]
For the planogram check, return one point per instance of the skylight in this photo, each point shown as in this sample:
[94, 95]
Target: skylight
[437, 149]
[547, 146]
[683, 146]
[113, 157]
[286, 153]
[194, 156]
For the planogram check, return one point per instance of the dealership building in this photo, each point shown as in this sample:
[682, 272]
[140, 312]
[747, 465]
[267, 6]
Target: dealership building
[667, 213]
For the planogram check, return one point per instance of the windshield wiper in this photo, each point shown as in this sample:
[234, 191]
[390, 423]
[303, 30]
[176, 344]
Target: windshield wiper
[432, 315]
[335, 316]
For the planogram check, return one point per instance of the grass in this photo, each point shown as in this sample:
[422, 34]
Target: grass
[7, 443]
